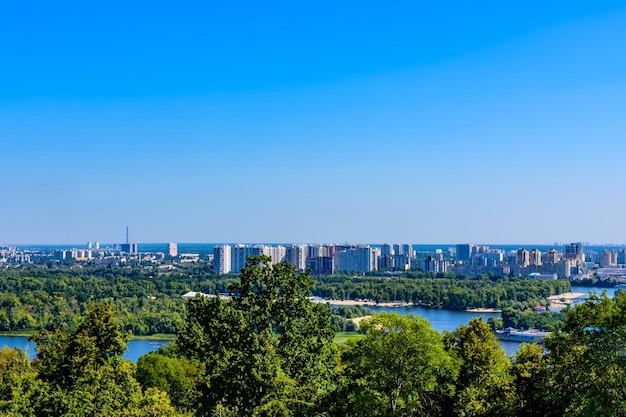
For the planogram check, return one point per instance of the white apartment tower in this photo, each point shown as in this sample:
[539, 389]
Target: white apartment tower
[240, 254]
[222, 259]
[355, 260]
[172, 250]
[296, 255]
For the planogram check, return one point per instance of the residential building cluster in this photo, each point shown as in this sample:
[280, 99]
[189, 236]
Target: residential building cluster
[10, 254]
[320, 259]
[573, 260]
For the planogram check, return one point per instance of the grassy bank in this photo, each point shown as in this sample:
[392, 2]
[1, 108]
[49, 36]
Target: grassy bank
[344, 337]
[156, 336]
[23, 333]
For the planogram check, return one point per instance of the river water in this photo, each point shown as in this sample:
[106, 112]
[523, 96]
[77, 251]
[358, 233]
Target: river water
[136, 347]
[447, 320]
[440, 320]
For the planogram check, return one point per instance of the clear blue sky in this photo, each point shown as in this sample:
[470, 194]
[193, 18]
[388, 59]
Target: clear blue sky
[449, 121]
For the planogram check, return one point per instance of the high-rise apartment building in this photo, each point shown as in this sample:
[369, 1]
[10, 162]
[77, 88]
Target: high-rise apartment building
[355, 260]
[523, 258]
[535, 257]
[277, 253]
[222, 259]
[575, 251]
[386, 250]
[297, 256]
[322, 265]
[240, 254]
[463, 251]
[552, 256]
[386, 262]
[608, 258]
[129, 248]
[432, 264]
[172, 250]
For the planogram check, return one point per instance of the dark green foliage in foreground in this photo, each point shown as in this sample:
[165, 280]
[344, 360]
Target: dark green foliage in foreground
[176, 376]
[399, 368]
[484, 386]
[268, 352]
[78, 373]
[18, 383]
[587, 359]
[530, 372]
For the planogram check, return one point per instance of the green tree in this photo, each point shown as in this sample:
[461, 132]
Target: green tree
[400, 368]
[530, 372]
[485, 384]
[587, 359]
[268, 350]
[155, 370]
[154, 403]
[17, 383]
[83, 370]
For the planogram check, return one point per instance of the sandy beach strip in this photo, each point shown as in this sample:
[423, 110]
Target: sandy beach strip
[484, 310]
[566, 299]
[363, 303]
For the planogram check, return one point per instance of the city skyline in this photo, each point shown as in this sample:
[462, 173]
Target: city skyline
[572, 261]
[167, 246]
[446, 122]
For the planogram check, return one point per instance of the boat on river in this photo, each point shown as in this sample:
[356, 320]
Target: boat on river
[511, 334]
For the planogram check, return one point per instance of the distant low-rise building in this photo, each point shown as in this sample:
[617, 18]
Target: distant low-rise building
[537, 275]
[618, 274]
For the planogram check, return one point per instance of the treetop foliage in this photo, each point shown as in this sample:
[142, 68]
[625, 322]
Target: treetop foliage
[268, 351]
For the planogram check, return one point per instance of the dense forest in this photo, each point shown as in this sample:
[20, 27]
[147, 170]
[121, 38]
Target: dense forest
[270, 352]
[149, 302]
[447, 291]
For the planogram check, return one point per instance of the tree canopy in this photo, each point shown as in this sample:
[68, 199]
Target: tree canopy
[268, 350]
[400, 368]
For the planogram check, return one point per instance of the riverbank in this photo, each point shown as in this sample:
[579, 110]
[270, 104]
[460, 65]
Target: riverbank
[566, 299]
[154, 337]
[344, 337]
[357, 320]
[484, 310]
[370, 303]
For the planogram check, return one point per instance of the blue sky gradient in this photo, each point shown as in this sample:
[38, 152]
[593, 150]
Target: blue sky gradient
[313, 122]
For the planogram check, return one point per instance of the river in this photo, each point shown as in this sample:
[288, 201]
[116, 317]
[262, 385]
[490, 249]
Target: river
[447, 320]
[440, 320]
[136, 347]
